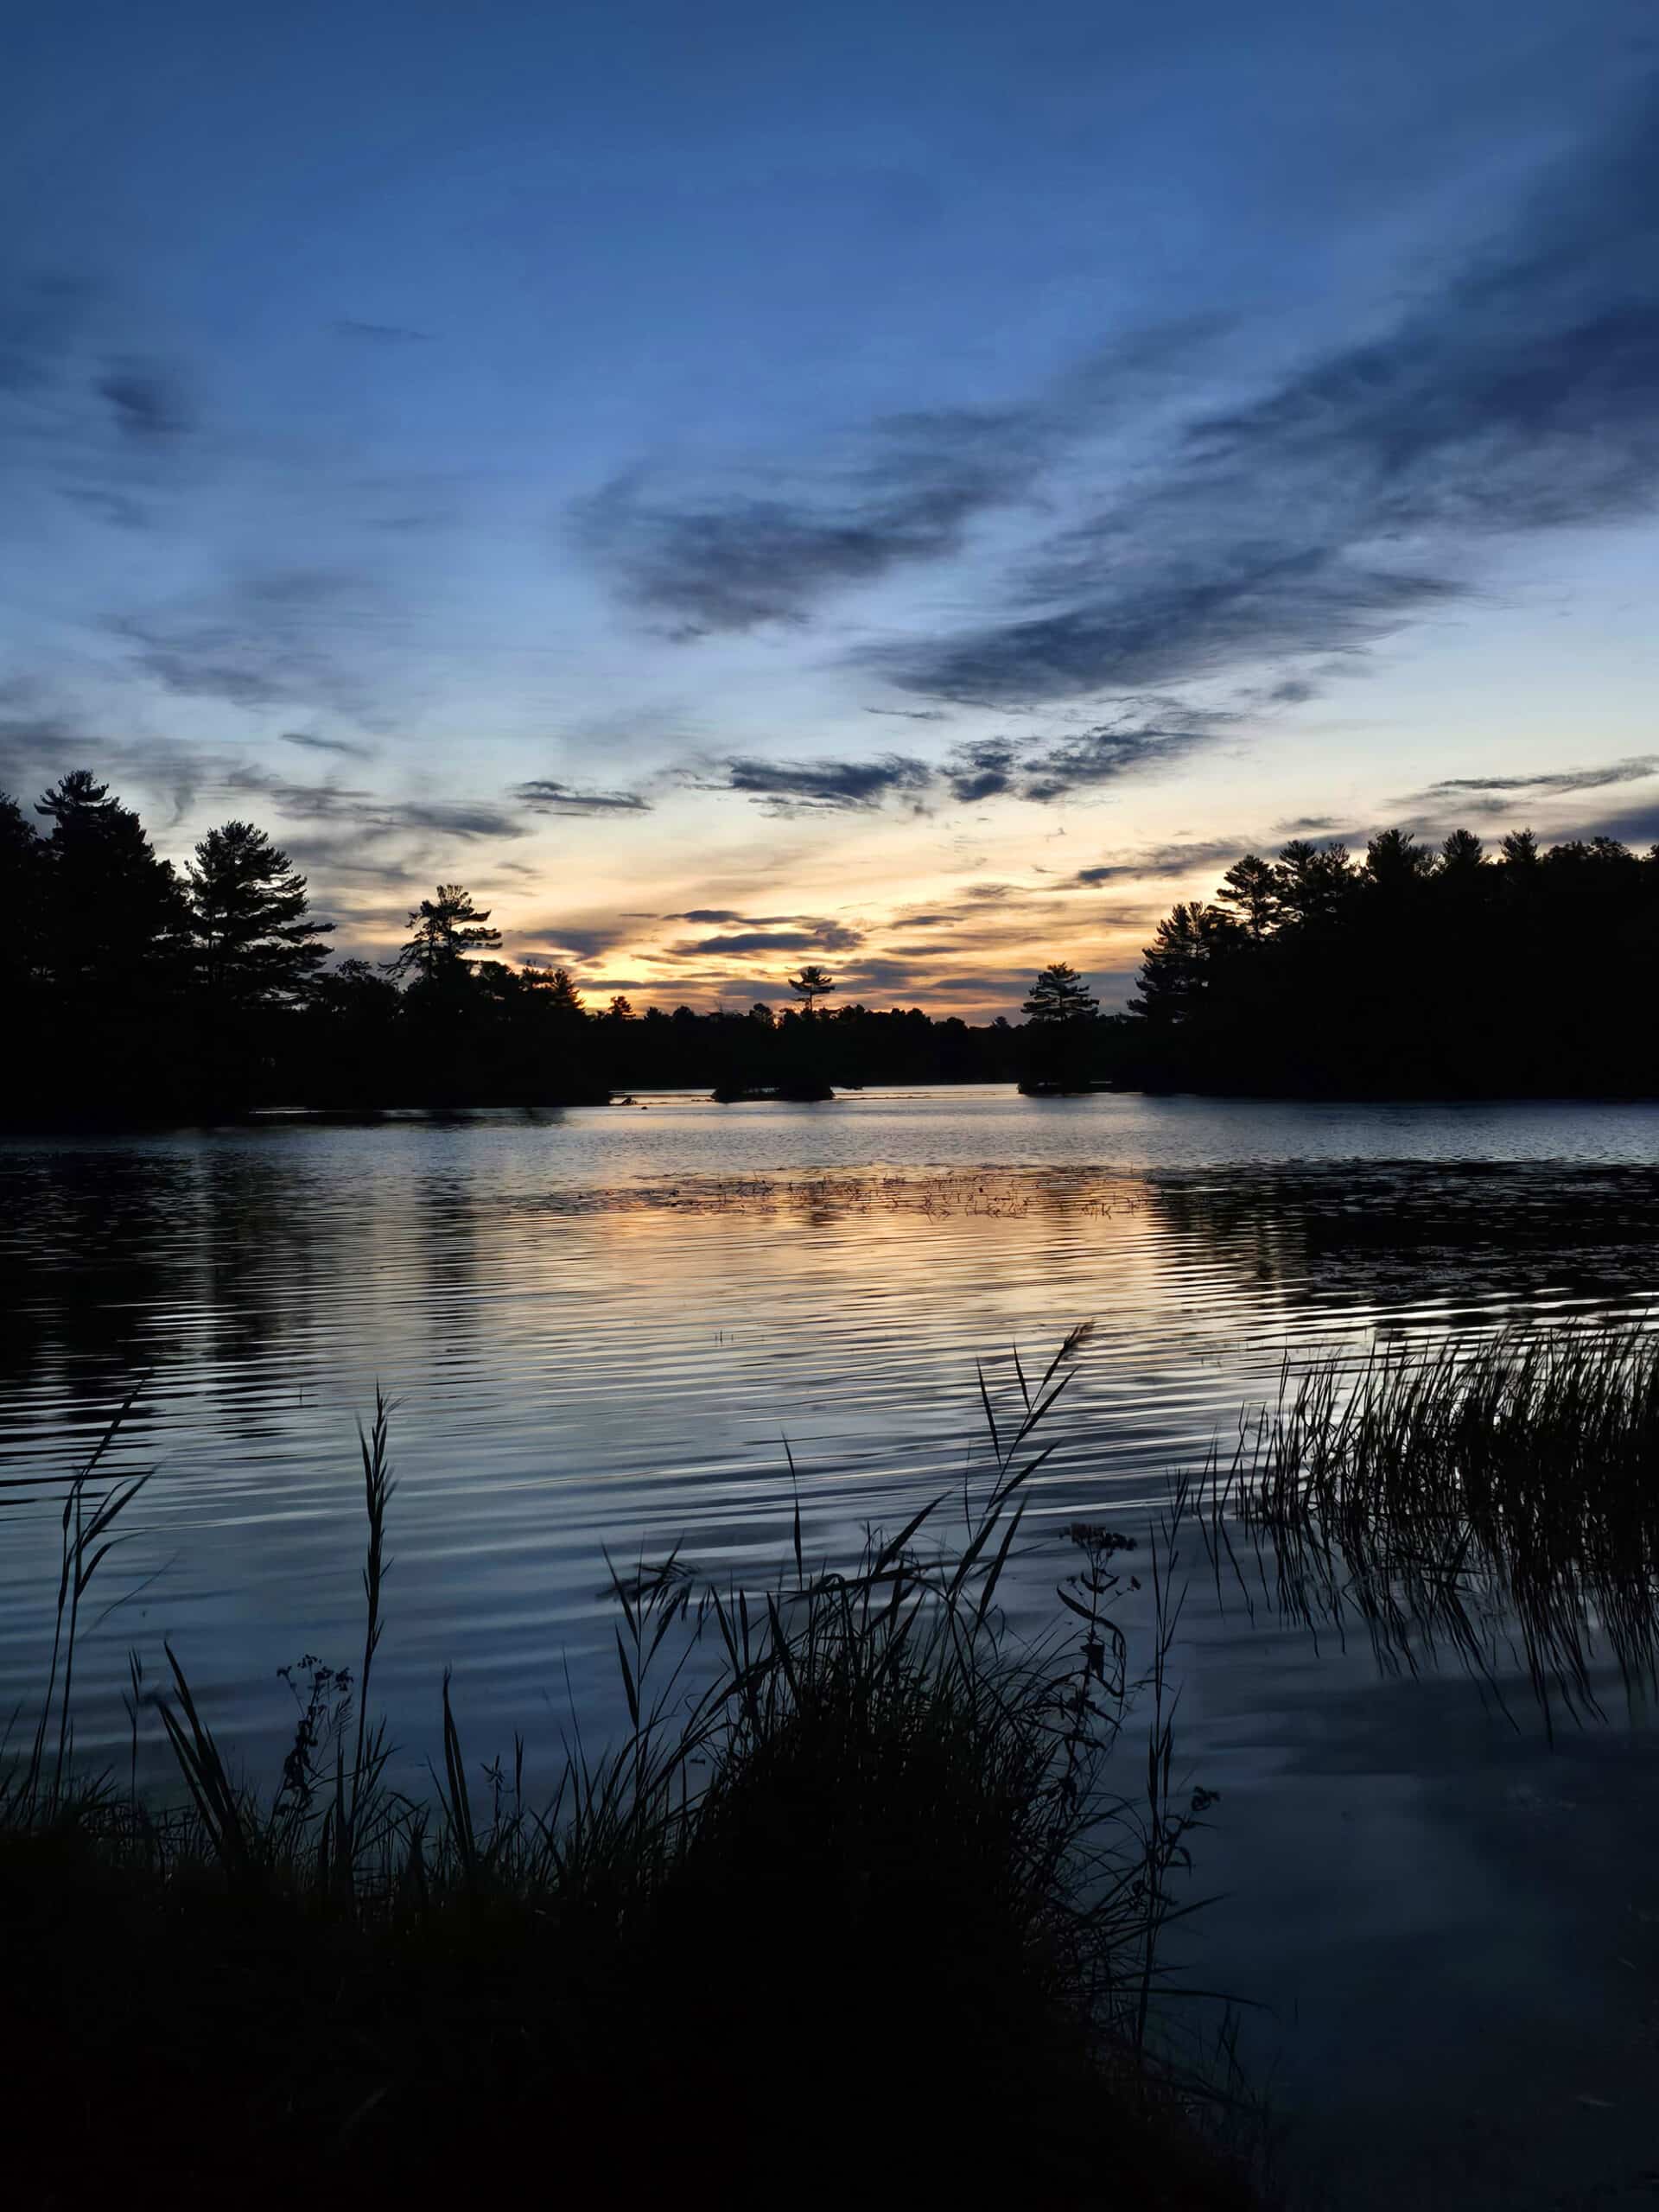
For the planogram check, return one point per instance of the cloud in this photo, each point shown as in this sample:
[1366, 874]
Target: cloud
[1551, 782]
[1160, 860]
[1304, 825]
[586, 943]
[1353, 495]
[827, 938]
[724, 914]
[543, 796]
[314, 744]
[907, 490]
[788, 787]
[379, 334]
[982, 770]
[806, 933]
[1110, 751]
[283, 637]
[737, 564]
[1637, 826]
[366, 810]
[145, 400]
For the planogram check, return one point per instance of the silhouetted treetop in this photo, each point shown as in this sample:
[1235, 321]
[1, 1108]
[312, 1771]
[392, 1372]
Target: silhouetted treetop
[445, 932]
[811, 985]
[1059, 994]
[254, 938]
[1418, 972]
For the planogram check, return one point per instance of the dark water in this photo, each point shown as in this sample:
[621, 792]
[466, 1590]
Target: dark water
[600, 1326]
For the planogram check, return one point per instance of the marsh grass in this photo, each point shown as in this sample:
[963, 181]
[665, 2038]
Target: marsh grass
[854, 1876]
[1496, 1501]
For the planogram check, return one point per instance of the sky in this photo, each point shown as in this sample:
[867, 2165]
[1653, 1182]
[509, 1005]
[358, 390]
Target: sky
[917, 487]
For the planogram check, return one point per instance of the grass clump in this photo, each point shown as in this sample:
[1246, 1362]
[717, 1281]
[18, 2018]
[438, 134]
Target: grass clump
[851, 1908]
[1498, 1500]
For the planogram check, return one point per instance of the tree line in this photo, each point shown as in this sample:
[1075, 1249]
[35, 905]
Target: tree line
[132, 990]
[1448, 972]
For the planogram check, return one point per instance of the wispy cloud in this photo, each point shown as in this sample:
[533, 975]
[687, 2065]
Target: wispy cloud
[1548, 783]
[312, 743]
[378, 334]
[1159, 860]
[907, 491]
[289, 638]
[787, 787]
[146, 400]
[1517, 396]
[826, 936]
[543, 795]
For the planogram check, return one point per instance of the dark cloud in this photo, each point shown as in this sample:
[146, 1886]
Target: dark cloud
[1160, 860]
[815, 786]
[379, 334]
[1110, 751]
[1304, 825]
[1551, 782]
[286, 638]
[1518, 396]
[724, 914]
[909, 490]
[911, 714]
[983, 770]
[827, 939]
[312, 743]
[543, 796]
[586, 943]
[146, 401]
[809, 936]
[1636, 826]
[737, 564]
[365, 810]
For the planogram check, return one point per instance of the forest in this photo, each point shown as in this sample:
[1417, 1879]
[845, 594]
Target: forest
[135, 992]
[1417, 972]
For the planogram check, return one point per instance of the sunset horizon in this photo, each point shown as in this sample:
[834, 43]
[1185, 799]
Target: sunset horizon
[933, 538]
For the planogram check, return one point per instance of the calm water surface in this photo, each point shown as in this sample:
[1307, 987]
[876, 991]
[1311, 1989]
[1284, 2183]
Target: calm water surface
[599, 1327]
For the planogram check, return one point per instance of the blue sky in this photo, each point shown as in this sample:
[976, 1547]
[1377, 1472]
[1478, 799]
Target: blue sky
[923, 485]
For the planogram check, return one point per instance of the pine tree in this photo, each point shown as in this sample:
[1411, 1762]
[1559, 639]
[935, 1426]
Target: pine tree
[555, 989]
[444, 933]
[1176, 970]
[1059, 994]
[1250, 888]
[116, 915]
[255, 942]
[809, 986]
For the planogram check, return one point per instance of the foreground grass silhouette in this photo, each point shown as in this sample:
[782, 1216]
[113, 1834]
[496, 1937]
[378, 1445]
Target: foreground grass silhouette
[851, 1911]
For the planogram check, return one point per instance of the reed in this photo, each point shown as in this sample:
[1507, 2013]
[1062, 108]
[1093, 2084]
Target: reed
[1497, 1500]
[857, 1853]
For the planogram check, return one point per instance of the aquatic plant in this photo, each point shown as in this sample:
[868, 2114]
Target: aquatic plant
[1496, 1499]
[857, 1849]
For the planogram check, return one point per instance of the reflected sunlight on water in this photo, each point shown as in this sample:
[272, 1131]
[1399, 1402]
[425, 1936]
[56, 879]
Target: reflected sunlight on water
[600, 1327]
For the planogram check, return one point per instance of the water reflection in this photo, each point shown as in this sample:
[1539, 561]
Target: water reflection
[1496, 1504]
[599, 1331]
[577, 1361]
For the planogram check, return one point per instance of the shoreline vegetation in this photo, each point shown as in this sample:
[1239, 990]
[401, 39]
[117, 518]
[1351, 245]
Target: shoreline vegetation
[857, 1877]
[860, 1874]
[138, 996]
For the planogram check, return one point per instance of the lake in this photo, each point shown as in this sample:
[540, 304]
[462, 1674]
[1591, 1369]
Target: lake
[599, 1327]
